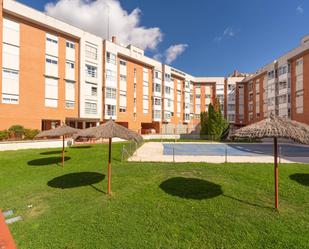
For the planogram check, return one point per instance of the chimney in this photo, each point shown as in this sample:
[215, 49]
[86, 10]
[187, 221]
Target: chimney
[114, 40]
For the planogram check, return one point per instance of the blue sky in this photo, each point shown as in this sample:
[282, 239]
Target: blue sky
[221, 35]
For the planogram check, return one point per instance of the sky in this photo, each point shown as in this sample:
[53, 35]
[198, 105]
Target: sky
[200, 37]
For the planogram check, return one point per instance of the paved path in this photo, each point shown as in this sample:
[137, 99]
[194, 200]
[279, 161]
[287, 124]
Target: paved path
[215, 153]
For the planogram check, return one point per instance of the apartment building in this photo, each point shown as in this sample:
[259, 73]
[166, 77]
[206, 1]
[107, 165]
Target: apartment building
[280, 88]
[54, 73]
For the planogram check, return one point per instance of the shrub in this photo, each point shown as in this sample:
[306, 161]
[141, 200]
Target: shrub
[4, 135]
[30, 133]
[16, 131]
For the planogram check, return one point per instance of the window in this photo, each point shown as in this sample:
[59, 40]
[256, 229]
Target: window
[282, 70]
[145, 105]
[51, 92]
[70, 44]
[250, 96]
[69, 104]
[123, 63]
[123, 77]
[70, 65]
[271, 74]
[122, 100]
[167, 77]
[69, 94]
[167, 115]
[157, 88]
[51, 60]
[111, 110]
[91, 52]
[110, 58]
[91, 108]
[51, 38]
[157, 75]
[299, 62]
[94, 91]
[156, 114]
[110, 75]
[122, 109]
[157, 101]
[167, 90]
[110, 93]
[91, 71]
[10, 98]
[10, 86]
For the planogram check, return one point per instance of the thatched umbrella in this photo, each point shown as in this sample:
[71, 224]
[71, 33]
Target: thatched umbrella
[59, 131]
[276, 127]
[109, 130]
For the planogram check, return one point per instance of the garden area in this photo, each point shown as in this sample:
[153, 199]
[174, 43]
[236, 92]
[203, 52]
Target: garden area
[153, 205]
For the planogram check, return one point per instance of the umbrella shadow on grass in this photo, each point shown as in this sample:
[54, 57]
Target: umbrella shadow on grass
[52, 152]
[81, 147]
[79, 179]
[191, 188]
[197, 189]
[47, 161]
[248, 203]
[302, 179]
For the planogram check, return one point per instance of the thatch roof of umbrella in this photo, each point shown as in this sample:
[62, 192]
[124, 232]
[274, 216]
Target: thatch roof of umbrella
[58, 132]
[275, 126]
[62, 130]
[109, 130]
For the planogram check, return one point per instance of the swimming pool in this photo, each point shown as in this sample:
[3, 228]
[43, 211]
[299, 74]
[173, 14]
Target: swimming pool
[200, 149]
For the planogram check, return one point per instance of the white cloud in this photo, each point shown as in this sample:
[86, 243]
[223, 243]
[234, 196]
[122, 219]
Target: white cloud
[173, 52]
[300, 9]
[228, 32]
[93, 17]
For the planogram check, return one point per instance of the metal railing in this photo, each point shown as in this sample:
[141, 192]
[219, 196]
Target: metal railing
[130, 148]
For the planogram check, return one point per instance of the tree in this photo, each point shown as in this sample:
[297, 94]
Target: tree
[212, 122]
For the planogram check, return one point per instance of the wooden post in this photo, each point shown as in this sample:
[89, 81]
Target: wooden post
[276, 173]
[62, 150]
[109, 166]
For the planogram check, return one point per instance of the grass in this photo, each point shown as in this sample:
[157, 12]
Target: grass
[154, 205]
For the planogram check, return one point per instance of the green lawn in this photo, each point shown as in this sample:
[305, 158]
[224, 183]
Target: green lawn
[154, 205]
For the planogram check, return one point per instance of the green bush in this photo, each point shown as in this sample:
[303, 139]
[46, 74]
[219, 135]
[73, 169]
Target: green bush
[16, 131]
[4, 135]
[30, 133]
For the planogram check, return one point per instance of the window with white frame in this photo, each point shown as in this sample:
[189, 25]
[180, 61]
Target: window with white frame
[69, 64]
[111, 58]
[122, 63]
[91, 71]
[91, 52]
[51, 92]
[110, 93]
[111, 110]
[94, 91]
[70, 44]
[51, 38]
[167, 90]
[51, 60]
[145, 105]
[157, 101]
[10, 86]
[157, 88]
[122, 100]
[91, 108]
[156, 114]
[110, 75]
[69, 94]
